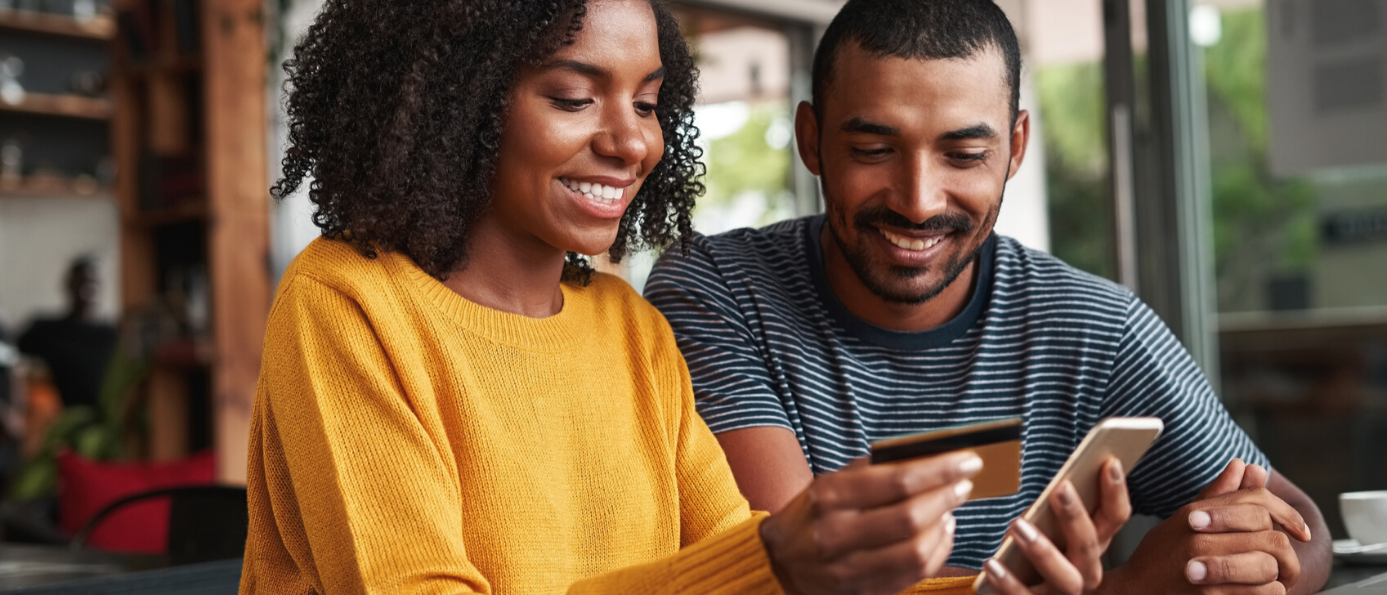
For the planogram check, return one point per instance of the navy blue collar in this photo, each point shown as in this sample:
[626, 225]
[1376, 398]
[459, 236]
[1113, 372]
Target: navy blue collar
[905, 340]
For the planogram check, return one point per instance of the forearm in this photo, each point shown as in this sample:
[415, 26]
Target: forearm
[1316, 556]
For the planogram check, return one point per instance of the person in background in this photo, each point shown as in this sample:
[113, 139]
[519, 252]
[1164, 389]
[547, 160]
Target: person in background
[76, 347]
[451, 400]
[900, 311]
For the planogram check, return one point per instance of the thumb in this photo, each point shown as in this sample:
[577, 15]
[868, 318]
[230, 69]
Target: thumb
[1227, 482]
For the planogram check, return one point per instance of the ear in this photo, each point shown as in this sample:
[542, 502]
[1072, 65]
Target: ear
[1020, 136]
[807, 137]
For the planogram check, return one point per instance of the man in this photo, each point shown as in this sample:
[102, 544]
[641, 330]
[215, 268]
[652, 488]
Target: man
[76, 347]
[900, 311]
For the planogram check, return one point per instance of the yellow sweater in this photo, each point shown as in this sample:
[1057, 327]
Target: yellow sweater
[406, 440]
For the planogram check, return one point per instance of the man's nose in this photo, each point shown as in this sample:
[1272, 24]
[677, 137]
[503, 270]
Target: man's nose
[922, 192]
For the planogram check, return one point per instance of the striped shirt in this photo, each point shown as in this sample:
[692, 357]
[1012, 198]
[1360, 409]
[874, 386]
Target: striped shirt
[769, 344]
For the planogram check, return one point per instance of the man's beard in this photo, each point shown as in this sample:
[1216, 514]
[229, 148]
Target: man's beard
[859, 257]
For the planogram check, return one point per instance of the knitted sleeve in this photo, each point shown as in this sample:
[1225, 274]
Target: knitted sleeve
[357, 493]
[345, 478]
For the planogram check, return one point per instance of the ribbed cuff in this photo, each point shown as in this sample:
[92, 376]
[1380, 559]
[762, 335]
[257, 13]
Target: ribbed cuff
[954, 585]
[734, 561]
[731, 563]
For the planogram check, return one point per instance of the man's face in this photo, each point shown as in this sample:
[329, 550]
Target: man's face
[913, 156]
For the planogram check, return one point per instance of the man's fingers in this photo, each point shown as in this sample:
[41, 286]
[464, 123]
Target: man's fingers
[1116, 505]
[841, 532]
[1272, 588]
[1274, 543]
[941, 554]
[1053, 566]
[1081, 538]
[1226, 482]
[1254, 476]
[879, 485]
[892, 568]
[1251, 568]
[1003, 580]
[1231, 518]
[1281, 512]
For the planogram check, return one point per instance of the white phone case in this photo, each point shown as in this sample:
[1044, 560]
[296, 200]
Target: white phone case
[1126, 438]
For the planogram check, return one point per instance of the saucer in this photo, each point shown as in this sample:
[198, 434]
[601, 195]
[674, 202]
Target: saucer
[1350, 550]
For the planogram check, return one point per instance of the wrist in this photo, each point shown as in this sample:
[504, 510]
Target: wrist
[770, 539]
[1116, 580]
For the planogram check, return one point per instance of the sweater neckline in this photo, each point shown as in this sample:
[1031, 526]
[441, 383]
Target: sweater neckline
[552, 333]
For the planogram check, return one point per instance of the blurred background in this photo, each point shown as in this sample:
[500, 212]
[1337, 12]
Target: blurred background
[1225, 159]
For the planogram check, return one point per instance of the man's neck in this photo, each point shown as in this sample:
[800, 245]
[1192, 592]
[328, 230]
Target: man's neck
[886, 314]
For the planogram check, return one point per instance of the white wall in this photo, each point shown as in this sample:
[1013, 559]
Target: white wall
[1025, 215]
[291, 223]
[39, 237]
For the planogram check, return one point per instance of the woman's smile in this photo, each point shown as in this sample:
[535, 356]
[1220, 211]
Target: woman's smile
[604, 197]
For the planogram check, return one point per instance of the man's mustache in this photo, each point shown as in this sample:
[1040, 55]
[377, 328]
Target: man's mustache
[946, 222]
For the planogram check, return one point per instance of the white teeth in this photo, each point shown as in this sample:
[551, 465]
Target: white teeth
[909, 243]
[598, 192]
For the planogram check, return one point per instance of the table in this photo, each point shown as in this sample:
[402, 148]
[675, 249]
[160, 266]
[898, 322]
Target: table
[23, 566]
[1347, 574]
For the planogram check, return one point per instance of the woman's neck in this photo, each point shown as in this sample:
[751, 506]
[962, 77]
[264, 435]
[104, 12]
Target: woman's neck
[510, 274]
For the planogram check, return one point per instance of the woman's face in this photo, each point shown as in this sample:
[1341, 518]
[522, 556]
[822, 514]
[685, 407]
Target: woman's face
[581, 133]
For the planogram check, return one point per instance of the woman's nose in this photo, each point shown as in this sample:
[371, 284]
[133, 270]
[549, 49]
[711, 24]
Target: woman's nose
[623, 137]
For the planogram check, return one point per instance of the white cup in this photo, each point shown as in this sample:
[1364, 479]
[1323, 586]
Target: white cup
[1365, 516]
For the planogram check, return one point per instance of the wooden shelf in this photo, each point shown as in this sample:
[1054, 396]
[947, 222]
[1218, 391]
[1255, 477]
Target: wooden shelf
[54, 187]
[96, 28]
[180, 213]
[68, 106]
[167, 65]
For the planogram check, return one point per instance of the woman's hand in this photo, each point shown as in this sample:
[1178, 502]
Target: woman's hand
[869, 530]
[1079, 567]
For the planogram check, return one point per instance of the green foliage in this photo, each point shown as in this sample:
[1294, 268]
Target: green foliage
[93, 432]
[1262, 225]
[1072, 110]
[1072, 115]
[744, 162]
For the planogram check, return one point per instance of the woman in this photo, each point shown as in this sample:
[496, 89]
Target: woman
[451, 399]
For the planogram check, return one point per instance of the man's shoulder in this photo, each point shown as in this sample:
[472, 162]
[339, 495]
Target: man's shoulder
[1023, 272]
[770, 243]
[765, 254]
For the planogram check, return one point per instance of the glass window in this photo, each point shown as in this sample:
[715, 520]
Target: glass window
[1300, 232]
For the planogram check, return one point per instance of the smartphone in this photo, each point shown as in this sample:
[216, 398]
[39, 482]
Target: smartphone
[997, 442]
[1125, 438]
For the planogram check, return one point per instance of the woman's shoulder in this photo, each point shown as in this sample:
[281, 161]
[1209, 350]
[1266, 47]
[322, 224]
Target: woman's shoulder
[337, 265]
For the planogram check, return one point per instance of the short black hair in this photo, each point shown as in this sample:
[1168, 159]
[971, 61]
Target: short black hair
[395, 115]
[919, 29]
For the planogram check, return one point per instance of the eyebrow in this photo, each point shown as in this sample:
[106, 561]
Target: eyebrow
[862, 125]
[974, 132]
[586, 69]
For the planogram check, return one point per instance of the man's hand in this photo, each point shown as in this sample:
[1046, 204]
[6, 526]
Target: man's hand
[1235, 539]
[1079, 566]
[870, 529]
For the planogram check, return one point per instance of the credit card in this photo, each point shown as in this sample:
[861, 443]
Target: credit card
[997, 442]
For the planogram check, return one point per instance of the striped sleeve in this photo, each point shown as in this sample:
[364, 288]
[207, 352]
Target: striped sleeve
[1154, 375]
[731, 377]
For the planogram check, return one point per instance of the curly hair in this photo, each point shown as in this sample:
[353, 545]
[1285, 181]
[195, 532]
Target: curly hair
[396, 110]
